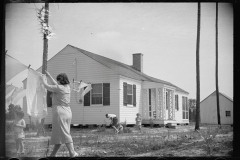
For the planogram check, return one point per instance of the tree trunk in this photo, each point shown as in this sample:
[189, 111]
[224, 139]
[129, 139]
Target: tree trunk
[217, 92]
[198, 70]
[44, 62]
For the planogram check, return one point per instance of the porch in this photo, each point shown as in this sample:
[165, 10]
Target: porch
[158, 106]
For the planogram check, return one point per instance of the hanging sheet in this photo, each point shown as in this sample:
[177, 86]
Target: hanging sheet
[36, 95]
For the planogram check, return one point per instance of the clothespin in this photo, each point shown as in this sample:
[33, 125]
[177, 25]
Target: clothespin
[29, 66]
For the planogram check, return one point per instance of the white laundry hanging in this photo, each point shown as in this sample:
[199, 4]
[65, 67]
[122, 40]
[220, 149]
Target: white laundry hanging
[77, 86]
[36, 95]
[86, 90]
[9, 92]
[19, 94]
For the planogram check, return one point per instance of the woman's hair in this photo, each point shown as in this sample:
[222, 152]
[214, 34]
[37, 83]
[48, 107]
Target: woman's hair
[20, 113]
[62, 78]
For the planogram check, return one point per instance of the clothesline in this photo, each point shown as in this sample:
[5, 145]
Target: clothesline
[80, 81]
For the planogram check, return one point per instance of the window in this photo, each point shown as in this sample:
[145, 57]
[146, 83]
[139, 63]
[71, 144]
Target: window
[129, 94]
[176, 102]
[99, 94]
[185, 107]
[228, 113]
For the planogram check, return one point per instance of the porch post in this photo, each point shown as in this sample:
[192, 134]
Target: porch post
[173, 101]
[171, 106]
[145, 104]
[164, 103]
[160, 103]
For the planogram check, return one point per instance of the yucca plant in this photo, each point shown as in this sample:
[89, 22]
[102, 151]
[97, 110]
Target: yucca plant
[208, 137]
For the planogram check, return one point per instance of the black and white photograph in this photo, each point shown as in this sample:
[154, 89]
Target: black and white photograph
[119, 79]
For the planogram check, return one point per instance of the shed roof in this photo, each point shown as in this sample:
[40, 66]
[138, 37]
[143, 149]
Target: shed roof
[219, 93]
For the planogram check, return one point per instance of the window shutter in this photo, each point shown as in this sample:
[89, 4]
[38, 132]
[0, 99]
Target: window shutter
[106, 94]
[134, 95]
[186, 104]
[187, 110]
[177, 103]
[87, 99]
[125, 94]
[176, 107]
[183, 110]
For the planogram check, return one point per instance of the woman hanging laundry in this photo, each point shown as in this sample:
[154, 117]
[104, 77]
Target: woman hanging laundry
[61, 111]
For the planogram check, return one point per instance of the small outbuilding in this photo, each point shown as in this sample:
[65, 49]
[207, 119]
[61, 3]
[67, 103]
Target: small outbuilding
[208, 109]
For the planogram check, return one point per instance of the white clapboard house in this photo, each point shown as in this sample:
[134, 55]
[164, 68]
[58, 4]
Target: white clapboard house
[208, 109]
[118, 88]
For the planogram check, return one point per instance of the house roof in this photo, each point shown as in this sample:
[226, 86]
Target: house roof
[124, 69]
[219, 93]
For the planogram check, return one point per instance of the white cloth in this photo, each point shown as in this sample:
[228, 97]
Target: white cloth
[36, 95]
[17, 95]
[86, 90]
[13, 67]
[9, 92]
[9, 88]
[78, 86]
[111, 115]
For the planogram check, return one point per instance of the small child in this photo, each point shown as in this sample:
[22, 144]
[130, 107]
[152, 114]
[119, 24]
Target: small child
[19, 124]
[114, 122]
[139, 122]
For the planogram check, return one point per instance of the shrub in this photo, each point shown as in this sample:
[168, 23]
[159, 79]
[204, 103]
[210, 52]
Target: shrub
[101, 128]
[125, 128]
[9, 126]
[208, 137]
[151, 123]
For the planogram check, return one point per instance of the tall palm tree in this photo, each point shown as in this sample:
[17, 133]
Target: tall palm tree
[44, 62]
[198, 70]
[217, 92]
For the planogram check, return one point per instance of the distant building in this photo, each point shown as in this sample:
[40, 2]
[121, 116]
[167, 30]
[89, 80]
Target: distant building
[208, 109]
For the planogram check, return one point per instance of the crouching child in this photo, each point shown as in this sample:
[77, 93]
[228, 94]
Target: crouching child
[114, 122]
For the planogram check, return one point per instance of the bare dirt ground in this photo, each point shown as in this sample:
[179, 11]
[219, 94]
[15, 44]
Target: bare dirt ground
[161, 142]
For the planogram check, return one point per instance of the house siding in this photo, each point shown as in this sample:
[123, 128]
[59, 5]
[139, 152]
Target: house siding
[78, 66]
[208, 110]
[179, 113]
[128, 113]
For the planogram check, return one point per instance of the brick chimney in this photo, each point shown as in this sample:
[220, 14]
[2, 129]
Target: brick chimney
[138, 62]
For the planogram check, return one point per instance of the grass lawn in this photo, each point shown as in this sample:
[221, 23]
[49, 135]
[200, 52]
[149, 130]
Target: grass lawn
[158, 142]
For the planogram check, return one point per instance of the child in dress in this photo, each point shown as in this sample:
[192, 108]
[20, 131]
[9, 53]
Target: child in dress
[139, 121]
[19, 125]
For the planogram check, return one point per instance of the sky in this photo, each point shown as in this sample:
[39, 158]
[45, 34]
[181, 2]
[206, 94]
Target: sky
[165, 33]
